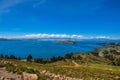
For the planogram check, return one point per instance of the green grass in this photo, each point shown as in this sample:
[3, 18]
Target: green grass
[61, 63]
[104, 66]
[87, 72]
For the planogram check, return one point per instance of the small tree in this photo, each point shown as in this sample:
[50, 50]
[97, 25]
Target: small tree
[1, 56]
[6, 57]
[12, 57]
[29, 58]
[53, 59]
[68, 56]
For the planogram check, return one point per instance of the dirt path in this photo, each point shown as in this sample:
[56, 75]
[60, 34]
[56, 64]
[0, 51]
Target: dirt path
[76, 64]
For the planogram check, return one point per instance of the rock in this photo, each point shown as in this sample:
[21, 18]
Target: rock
[1, 78]
[28, 76]
[53, 76]
[101, 54]
[4, 75]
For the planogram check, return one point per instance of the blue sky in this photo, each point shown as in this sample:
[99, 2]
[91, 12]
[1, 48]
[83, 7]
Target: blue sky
[81, 17]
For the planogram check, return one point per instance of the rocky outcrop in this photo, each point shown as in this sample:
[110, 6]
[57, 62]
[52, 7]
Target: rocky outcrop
[28, 76]
[4, 75]
[53, 76]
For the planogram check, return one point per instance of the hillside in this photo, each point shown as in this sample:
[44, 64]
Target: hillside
[101, 64]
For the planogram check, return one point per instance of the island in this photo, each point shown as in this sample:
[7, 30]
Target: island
[3, 39]
[67, 42]
[6, 39]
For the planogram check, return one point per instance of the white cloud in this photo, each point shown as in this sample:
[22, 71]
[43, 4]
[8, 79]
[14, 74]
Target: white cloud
[58, 36]
[6, 5]
[102, 37]
[52, 36]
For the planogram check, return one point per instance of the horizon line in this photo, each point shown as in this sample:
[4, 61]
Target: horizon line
[59, 36]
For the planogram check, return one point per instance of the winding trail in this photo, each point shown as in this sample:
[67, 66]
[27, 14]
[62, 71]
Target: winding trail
[76, 64]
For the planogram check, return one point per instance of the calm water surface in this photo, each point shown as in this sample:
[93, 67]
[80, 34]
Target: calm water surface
[47, 48]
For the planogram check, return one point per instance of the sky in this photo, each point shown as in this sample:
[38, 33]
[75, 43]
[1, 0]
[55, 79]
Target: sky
[93, 18]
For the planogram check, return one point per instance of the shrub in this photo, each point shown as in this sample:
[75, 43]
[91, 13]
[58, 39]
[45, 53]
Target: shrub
[1, 65]
[29, 58]
[10, 67]
[30, 71]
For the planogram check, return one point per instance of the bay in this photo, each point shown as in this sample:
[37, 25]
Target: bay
[45, 48]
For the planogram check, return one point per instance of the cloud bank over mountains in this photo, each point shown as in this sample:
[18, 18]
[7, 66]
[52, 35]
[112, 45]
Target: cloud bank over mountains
[52, 36]
[57, 36]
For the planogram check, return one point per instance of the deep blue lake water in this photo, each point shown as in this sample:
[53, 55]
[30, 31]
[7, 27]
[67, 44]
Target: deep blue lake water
[47, 48]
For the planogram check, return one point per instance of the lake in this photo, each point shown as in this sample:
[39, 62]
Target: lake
[45, 48]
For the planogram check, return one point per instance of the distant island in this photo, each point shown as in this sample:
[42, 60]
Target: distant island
[3, 39]
[6, 39]
[67, 42]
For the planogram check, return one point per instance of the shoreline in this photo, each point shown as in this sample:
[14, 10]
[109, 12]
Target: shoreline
[103, 45]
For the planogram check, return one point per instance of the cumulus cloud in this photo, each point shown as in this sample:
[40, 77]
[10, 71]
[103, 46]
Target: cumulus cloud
[52, 36]
[58, 36]
[62, 36]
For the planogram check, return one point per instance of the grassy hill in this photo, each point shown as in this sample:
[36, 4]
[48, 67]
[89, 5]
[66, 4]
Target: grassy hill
[68, 68]
[101, 64]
